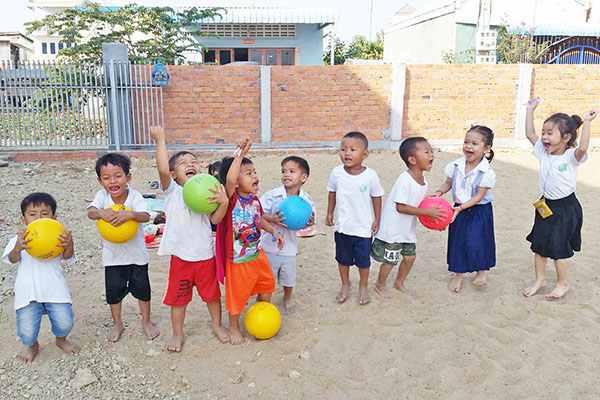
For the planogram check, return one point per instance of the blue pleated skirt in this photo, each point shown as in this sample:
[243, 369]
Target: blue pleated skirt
[471, 243]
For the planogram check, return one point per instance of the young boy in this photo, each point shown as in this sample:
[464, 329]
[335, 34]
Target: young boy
[126, 264]
[398, 222]
[294, 173]
[188, 240]
[355, 189]
[40, 286]
[239, 253]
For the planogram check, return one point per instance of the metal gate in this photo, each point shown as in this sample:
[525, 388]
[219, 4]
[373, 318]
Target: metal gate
[75, 105]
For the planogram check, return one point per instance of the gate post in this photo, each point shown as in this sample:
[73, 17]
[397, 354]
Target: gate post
[115, 59]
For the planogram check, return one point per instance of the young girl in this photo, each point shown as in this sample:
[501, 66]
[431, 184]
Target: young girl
[556, 232]
[471, 244]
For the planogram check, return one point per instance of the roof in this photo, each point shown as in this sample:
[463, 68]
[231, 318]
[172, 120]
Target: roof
[272, 15]
[558, 30]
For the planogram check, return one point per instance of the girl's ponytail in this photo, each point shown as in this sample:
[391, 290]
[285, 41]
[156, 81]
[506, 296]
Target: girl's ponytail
[490, 155]
[577, 119]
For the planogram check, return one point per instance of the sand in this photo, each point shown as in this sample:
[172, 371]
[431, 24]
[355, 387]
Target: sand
[485, 343]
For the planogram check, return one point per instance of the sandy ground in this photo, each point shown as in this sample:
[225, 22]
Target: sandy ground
[484, 343]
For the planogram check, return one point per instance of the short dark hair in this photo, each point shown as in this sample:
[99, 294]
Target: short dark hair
[226, 164]
[566, 125]
[214, 167]
[38, 199]
[357, 135]
[302, 163]
[174, 157]
[115, 159]
[408, 147]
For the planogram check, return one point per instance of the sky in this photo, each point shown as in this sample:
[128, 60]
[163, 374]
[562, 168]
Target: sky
[354, 14]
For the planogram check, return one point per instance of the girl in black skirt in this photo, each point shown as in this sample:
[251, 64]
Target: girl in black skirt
[556, 232]
[471, 243]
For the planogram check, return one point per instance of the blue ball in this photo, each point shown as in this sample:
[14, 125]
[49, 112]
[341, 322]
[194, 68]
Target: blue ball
[296, 211]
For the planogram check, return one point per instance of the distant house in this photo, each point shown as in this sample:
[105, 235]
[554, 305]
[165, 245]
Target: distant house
[15, 47]
[422, 36]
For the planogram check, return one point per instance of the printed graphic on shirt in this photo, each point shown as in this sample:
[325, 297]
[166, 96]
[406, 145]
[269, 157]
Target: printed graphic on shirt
[245, 219]
[363, 188]
[562, 167]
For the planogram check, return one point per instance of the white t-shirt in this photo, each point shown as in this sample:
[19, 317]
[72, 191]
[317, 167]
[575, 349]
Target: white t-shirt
[353, 198]
[187, 234]
[132, 251]
[270, 203]
[38, 280]
[397, 227]
[558, 174]
[463, 188]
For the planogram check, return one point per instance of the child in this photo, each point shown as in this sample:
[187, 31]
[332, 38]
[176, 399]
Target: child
[126, 264]
[214, 168]
[188, 240]
[471, 244]
[397, 232]
[40, 286]
[294, 173]
[246, 266]
[556, 232]
[355, 189]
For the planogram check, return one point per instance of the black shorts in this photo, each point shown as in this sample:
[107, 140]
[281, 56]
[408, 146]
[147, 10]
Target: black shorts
[122, 279]
[352, 250]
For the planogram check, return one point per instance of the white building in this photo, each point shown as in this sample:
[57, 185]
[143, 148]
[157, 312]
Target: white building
[15, 47]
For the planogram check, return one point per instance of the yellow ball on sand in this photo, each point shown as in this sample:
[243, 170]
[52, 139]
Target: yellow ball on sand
[118, 234]
[43, 233]
[262, 320]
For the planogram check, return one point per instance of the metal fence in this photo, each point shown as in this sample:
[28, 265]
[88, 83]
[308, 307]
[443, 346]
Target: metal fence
[77, 105]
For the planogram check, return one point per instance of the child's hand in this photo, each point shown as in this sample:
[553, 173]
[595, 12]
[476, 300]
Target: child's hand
[22, 243]
[437, 193]
[374, 228]
[205, 164]
[157, 133]
[311, 221]
[65, 238]
[533, 103]
[279, 239]
[457, 210]
[436, 213]
[329, 220]
[243, 147]
[278, 219]
[219, 196]
[107, 214]
[121, 217]
[590, 115]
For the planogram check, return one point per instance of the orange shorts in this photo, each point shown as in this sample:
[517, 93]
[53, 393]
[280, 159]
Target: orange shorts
[245, 280]
[184, 275]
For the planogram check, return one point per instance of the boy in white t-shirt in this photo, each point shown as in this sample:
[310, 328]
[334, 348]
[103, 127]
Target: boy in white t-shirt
[397, 232]
[294, 173]
[40, 287]
[125, 264]
[356, 191]
[188, 240]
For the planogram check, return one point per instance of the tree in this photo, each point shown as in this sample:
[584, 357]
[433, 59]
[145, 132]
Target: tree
[339, 55]
[362, 49]
[519, 47]
[150, 33]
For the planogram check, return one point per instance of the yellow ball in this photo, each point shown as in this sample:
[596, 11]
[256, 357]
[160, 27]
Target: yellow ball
[43, 233]
[118, 234]
[262, 320]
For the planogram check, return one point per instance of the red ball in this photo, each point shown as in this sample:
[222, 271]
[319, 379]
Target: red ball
[149, 238]
[437, 224]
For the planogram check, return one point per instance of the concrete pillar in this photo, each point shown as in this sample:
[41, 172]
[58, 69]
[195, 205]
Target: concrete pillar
[114, 56]
[523, 96]
[397, 102]
[265, 104]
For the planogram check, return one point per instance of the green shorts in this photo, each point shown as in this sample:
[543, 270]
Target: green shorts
[389, 253]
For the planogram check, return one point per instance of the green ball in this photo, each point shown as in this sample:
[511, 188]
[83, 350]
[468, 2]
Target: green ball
[195, 191]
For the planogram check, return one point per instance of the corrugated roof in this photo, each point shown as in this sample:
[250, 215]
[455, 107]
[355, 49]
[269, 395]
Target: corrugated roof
[272, 15]
[559, 30]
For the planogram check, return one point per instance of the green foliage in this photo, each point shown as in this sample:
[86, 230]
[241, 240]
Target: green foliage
[339, 55]
[360, 48]
[519, 47]
[150, 33]
[463, 57]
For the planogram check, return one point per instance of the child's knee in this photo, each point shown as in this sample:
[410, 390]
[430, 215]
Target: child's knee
[61, 318]
[28, 324]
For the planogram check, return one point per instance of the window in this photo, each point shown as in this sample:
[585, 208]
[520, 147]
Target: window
[52, 48]
[68, 45]
[44, 48]
[260, 56]
[60, 45]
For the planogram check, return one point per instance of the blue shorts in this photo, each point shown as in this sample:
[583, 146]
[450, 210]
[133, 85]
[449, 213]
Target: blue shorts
[29, 319]
[352, 250]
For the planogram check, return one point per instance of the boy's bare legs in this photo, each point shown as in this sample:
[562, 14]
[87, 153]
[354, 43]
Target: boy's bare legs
[562, 286]
[345, 275]
[28, 353]
[115, 333]
[480, 278]
[381, 284]
[456, 283]
[363, 290]
[150, 329]
[214, 309]
[67, 346]
[234, 329]
[177, 318]
[288, 304]
[539, 263]
[403, 270]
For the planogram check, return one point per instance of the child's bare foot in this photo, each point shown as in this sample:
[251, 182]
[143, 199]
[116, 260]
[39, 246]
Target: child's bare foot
[383, 291]
[151, 330]
[342, 296]
[67, 346]
[175, 343]
[236, 336]
[363, 295]
[456, 284]
[480, 278]
[115, 333]
[404, 289]
[531, 290]
[28, 353]
[289, 305]
[221, 333]
[558, 292]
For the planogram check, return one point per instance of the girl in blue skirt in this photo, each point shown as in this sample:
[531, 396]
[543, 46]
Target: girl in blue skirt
[471, 243]
[556, 232]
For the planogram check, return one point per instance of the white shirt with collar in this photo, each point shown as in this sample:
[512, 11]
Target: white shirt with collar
[270, 203]
[38, 280]
[463, 188]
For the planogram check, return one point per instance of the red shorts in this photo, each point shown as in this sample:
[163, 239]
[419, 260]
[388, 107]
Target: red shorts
[184, 275]
[245, 280]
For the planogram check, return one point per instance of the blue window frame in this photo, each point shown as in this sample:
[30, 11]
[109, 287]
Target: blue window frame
[44, 48]
[52, 48]
[60, 45]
